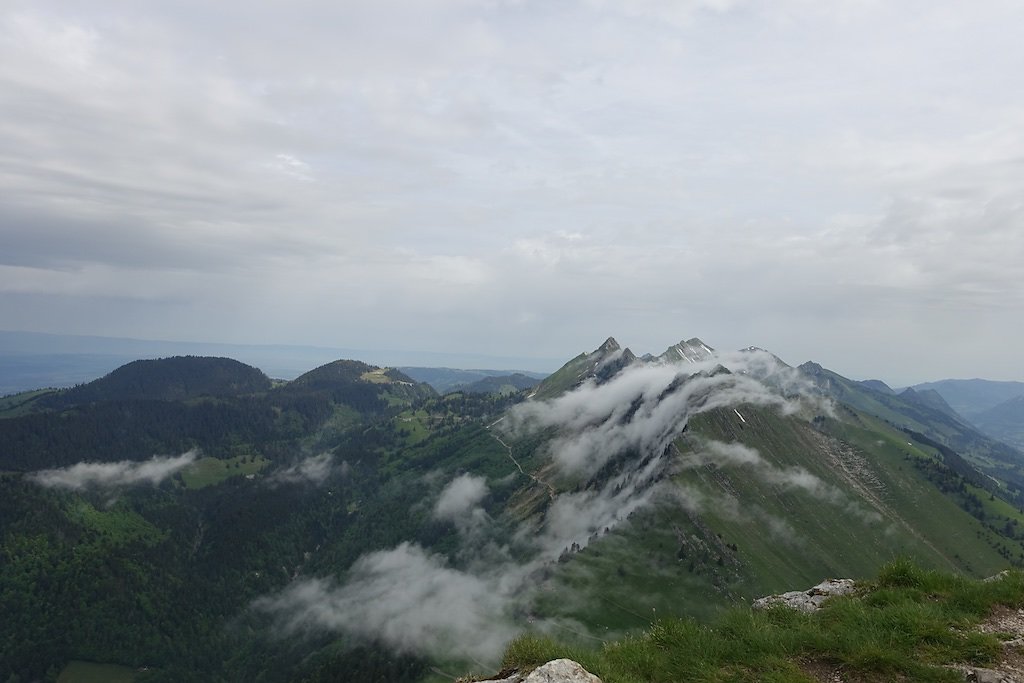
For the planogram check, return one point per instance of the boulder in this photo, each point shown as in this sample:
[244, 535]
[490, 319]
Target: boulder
[979, 675]
[555, 671]
[809, 600]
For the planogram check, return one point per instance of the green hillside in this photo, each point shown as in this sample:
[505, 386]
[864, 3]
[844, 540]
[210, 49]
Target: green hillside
[926, 416]
[733, 533]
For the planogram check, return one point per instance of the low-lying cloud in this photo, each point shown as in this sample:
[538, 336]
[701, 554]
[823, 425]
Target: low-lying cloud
[113, 474]
[460, 503]
[646, 407]
[408, 598]
[737, 454]
[314, 470]
[460, 496]
[792, 478]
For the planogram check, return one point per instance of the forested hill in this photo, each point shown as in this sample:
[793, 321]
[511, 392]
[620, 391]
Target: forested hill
[109, 554]
[167, 379]
[171, 405]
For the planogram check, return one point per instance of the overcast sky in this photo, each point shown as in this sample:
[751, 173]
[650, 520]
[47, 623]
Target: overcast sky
[839, 181]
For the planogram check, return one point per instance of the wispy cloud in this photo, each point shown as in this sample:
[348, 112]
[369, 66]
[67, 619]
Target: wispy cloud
[460, 496]
[646, 406]
[459, 503]
[314, 470]
[408, 598]
[113, 474]
[737, 455]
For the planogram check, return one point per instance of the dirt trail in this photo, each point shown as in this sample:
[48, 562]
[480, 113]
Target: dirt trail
[550, 489]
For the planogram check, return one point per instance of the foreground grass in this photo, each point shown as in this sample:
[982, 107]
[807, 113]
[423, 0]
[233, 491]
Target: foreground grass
[905, 626]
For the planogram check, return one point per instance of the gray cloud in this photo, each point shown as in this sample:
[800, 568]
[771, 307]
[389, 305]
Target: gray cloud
[785, 174]
[113, 474]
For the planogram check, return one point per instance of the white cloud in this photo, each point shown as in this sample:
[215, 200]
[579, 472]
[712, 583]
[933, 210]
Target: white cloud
[113, 474]
[408, 598]
[460, 496]
[314, 469]
[645, 407]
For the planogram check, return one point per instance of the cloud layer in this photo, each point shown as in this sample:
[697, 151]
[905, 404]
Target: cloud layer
[113, 474]
[836, 181]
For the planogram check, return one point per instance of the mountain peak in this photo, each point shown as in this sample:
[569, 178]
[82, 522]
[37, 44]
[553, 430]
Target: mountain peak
[689, 350]
[601, 364]
[811, 368]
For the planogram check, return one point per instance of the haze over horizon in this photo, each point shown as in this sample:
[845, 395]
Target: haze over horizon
[837, 182]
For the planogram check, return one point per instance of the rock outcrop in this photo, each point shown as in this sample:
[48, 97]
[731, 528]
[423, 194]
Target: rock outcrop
[809, 600]
[555, 671]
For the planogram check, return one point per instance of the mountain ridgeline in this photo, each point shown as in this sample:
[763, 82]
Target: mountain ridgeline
[190, 519]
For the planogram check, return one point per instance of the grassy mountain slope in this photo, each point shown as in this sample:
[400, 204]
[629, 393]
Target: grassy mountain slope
[734, 533]
[791, 498]
[988, 455]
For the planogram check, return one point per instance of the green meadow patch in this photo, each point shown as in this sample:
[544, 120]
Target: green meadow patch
[209, 471]
[118, 523]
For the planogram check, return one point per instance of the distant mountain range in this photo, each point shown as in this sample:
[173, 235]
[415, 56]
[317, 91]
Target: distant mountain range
[29, 360]
[995, 408]
[445, 380]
